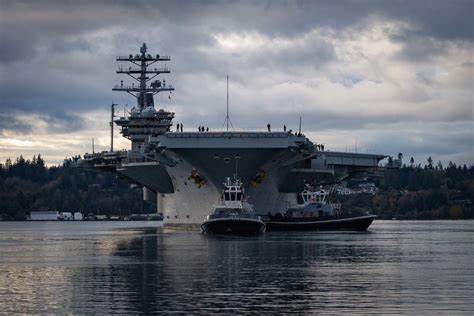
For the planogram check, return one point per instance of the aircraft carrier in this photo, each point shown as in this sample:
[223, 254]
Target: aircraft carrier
[182, 172]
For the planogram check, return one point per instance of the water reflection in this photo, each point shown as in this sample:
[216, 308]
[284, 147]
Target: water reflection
[88, 269]
[187, 271]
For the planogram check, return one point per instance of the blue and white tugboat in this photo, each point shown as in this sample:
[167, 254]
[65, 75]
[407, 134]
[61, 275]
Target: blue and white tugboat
[317, 213]
[232, 214]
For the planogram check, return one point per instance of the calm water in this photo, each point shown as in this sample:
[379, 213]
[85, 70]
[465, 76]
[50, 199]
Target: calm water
[118, 267]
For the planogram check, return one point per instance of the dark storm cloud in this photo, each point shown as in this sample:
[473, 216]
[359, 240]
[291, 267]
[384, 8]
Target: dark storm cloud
[20, 122]
[27, 24]
[436, 144]
[468, 64]
[63, 123]
[439, 19]
[14, 47]
[57, 58]
[68, 45]
[444, 20]
[8, 122]
[442, 142]
[49, 95]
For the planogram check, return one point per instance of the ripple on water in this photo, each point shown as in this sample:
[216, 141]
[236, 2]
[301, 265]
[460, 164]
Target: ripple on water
[83, 268]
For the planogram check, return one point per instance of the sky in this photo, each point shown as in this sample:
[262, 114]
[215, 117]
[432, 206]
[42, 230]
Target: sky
[367, 76]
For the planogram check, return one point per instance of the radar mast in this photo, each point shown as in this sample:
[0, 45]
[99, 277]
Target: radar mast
[143, 92]
[144, 119]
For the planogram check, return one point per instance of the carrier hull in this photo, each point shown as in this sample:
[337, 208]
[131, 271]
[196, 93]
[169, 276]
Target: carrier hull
[187, 181]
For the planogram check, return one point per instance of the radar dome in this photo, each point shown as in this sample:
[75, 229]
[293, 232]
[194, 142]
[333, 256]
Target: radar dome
[148, 111]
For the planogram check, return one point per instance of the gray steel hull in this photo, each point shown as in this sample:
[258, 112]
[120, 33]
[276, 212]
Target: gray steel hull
[191, 200]
[188, 171]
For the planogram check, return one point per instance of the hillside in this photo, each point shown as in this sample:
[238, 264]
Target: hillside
[411, 192]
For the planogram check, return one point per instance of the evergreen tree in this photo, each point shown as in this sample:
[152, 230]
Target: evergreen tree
[439, 166]
[430, 163]
[404, 193]
[8, 164]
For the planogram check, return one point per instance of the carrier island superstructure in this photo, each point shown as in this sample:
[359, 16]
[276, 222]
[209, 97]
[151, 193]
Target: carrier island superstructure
[182, 172]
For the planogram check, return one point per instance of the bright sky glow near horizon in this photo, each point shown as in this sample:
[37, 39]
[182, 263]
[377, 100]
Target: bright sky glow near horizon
[391, 76]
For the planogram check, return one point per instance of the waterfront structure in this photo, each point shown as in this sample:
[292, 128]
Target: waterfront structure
[44, 216]
[66, 216]
[181, 172]
[78, 216]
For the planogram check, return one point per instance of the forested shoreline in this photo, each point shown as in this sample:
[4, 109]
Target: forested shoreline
[410, 192]
[28, 185]
[416, 192]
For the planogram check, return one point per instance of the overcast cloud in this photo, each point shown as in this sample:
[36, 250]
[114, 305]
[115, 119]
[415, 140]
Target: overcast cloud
[393, 76]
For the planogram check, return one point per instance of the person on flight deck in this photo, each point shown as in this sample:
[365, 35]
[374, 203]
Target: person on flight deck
[284, 128]
[207, 129]
[177, 127]
[268, 126]
[181, 127]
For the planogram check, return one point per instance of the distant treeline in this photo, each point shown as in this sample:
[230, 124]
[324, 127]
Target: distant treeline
[28, 185]
[411, 192]
[416, 192]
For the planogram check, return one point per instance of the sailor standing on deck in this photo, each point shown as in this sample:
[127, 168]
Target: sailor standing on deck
[268, 126]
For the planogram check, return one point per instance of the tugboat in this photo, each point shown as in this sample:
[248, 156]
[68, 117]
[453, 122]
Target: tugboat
[232, 214]
[317, 213]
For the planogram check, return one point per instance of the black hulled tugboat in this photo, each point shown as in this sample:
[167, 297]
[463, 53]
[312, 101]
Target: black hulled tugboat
[317, 213]
[232, 214]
